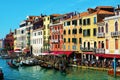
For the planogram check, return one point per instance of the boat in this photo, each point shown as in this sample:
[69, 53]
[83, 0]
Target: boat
[27, 63]
[111, 72]
[13, 65]
[47, 65]
[1, 75]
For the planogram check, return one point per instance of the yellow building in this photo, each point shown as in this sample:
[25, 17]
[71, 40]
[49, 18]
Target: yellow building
[72, 34]
[46, 34]
[90, 28]
[112, 38]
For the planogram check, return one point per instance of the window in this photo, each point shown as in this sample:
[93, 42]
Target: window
[69, 40]
[38, 33]
[74, 22]
[80, 21]
[84, 22]
[48, 26]
[68, 47]
[34, 34]
[74, 40]
[80, 30]
[102, 45]
[84, 33]
[106, 27]
[88, 32]
[84, 44]
[102, 29]
[98, 29]
[48, 18]
[116, 26]
[94, 32]
[88, 21]
[80, 40]
[74, 31]
[44, 32]
[68, 23]
[64, 32]
[64, 47]
[95, 21]
[22, 31]
[116, 43]
[64, 40]
[74, 47]
[41, 32]
[69, 31]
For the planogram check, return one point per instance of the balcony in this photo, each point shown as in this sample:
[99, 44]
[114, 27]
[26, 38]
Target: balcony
[101, 35]
[54, 40]
[87, 49]
[115, 34]
[100, 50]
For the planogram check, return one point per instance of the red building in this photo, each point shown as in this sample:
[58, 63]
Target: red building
[56, 32]
[9, 41]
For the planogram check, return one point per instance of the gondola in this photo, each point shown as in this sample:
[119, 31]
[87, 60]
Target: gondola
[13, 65]
[1, 75]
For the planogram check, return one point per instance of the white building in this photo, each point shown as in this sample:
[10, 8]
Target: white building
[37, 41]
[37, 36]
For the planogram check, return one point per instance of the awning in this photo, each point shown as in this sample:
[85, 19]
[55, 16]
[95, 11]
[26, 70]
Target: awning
[109, 55]
[17, 50]
[92, 53]
[26, 50]
[68, 53]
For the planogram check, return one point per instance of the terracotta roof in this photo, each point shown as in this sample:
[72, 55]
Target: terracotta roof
[104, 7]
[55, 15]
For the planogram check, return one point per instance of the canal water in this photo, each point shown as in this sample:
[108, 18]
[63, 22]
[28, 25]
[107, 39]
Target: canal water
[38, 73]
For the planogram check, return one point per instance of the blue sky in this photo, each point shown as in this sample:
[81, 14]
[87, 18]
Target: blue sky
[12, 12]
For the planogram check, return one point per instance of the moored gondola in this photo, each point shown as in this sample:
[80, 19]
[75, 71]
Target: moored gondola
[1, 75]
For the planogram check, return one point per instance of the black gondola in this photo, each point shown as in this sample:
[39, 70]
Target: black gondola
[13, 65]
[1, 75]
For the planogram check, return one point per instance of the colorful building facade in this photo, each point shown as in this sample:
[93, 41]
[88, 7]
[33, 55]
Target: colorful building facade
[56, 34]
[72, 33]
[89, 28]
[9, 41]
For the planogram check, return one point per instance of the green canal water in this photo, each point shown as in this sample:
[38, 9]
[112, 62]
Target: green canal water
[38, 73]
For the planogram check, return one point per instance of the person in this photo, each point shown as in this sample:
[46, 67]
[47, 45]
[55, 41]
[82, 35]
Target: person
[113, 64]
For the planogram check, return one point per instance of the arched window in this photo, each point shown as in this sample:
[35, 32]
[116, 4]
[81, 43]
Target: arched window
[106, 27]
[64, 31]
[88, 45]
[98, 29]
[69, 31]
[102, 29]
[84, 44]
[102, 44]
[80, 30]
[99, 44]
[116, 26]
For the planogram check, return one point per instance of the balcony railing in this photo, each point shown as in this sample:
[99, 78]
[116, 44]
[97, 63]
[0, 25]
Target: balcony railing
[100, 50]
[54, 40]
[100, 35]
[115, 34]
[87, 49]
[55, 31]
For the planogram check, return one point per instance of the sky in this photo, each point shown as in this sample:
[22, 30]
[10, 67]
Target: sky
[12, 12]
